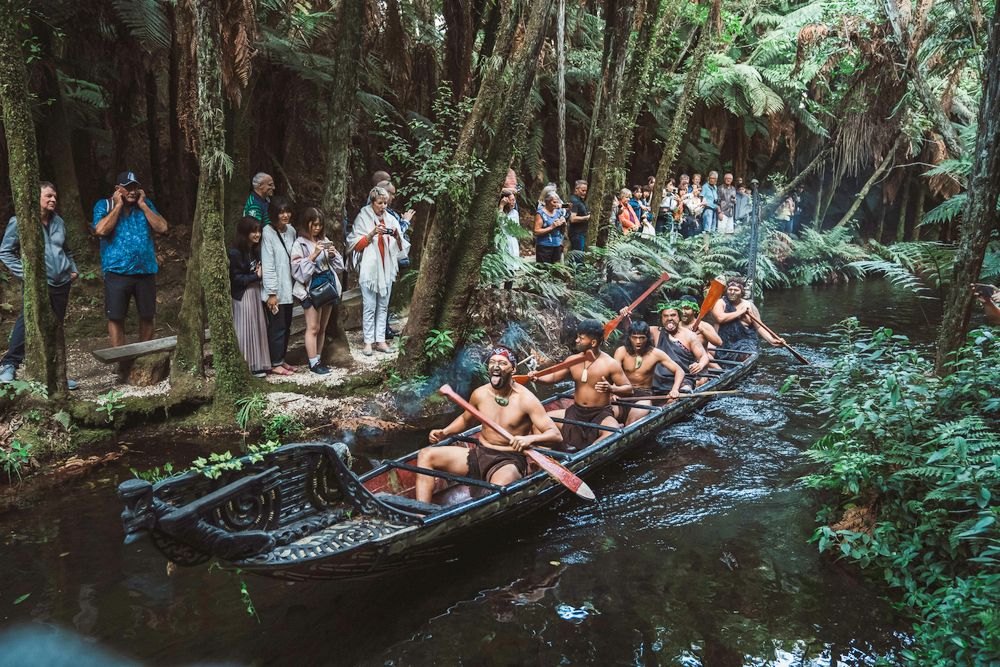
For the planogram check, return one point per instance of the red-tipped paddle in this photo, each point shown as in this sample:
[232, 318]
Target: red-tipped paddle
[613, 324]
[715, 291]
[562, 365]
[556, 471]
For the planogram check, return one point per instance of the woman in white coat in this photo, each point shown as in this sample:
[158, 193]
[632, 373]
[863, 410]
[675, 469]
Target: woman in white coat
[377, 242]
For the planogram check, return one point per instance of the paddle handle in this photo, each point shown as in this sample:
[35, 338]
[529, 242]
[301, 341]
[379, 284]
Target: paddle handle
[555, 368]
[557, 471]
[664, 397]
[613, 324]
[715, 290]
[768, 329]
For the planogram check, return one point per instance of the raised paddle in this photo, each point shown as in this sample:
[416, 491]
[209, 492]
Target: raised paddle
[715, 290]
[556, 471]
[562, 365]
[613, 324]
[756, 320]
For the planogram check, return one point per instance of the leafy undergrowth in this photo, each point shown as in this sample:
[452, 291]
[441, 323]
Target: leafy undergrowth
[910, 467]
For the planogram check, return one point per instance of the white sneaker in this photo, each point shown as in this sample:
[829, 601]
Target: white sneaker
[6, 373]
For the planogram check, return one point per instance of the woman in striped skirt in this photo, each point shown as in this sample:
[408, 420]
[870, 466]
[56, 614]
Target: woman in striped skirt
[244, 285]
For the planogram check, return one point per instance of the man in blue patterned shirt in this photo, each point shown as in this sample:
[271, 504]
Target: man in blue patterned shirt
[125, 223]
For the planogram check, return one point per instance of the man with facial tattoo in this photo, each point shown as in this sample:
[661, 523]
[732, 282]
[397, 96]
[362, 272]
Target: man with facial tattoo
[681, 345]
[494, 460]
[596, 382]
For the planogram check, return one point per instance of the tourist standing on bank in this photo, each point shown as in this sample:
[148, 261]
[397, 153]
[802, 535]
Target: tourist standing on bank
[258, 203]
[550, 223]
[579, 217]
[245, 280]
[125, 223]
[315, 263]
[379, 240]
[60, 272]
[727, 205]
[276, 275]
[710, 196]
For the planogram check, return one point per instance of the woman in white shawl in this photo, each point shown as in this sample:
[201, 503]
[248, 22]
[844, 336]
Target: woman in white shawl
[376, 237]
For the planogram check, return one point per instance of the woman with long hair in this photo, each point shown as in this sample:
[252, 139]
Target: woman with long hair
[244, 285]
[379, 242]
[276, 258]
[315, 262]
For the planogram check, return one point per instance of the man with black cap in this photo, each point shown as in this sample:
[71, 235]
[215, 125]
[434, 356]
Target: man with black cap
[125, 223]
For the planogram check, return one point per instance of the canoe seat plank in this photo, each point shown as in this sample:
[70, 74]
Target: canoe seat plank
[131, 351]
[408, 504]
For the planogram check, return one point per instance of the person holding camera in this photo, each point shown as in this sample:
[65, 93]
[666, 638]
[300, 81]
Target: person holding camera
[315, 264]
[125, 223]
[550, 226]
[376, 242]
[245, 279]
[727, 205]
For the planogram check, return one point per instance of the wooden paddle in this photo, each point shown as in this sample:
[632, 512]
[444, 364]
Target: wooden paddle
[715, 291]
[756, 320]
[562, 365]
[613, 324]
[556, 471]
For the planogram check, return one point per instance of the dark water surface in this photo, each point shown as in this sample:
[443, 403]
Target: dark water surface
[694, 554]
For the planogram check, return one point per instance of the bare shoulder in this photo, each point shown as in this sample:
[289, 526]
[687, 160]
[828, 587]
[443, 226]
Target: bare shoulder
[659, 354]
[620, 353]
[479, 394]
[526, 397]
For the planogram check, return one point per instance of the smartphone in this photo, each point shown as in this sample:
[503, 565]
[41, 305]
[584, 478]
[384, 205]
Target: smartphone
[567, 205]
[985, 291]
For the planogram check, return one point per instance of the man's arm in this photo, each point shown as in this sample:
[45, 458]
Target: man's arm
[552, 378]
[721, 316]
[548, 432]
[710, 334]
[268, 276]
[619, 385]
[155, 220]
[463, 422]
[763, 332]
[10, 250]
[700, 353]
[68, 249]
[105, 222]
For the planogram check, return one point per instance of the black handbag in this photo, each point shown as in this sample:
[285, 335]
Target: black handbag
[323, 289]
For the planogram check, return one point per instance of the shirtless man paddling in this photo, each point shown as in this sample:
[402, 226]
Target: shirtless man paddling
[682, 345]
[736, 329]
[494, 460]
[640, 359]
[596, 383]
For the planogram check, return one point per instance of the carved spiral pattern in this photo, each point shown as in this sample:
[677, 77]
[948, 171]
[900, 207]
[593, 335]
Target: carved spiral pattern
[323, 489]
[249, 512]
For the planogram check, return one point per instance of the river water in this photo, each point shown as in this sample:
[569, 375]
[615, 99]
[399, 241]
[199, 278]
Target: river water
[694, 554]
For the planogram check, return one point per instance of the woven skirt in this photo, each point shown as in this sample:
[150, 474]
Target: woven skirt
[251, 330]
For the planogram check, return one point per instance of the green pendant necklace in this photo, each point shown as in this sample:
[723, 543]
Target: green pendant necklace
[502, 401]
[638, 361]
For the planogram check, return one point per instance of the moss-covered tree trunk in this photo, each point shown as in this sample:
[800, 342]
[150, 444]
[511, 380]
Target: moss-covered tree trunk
[232, 377]
[41, 357]
[187, 367]
[238, 135]
[678, 124]
[979, 219]
[904, 206]
[620, 15]
[458, 241]
[347, 39]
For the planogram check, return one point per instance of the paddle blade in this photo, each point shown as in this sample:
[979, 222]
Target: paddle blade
[561, 474]
[715, 292]
[613, 324]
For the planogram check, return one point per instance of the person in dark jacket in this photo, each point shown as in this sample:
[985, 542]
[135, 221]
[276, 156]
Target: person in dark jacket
[244, 286]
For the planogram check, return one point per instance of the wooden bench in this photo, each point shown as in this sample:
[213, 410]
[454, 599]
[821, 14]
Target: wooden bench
[131, 351]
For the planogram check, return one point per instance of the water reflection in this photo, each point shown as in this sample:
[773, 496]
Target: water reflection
[695, 554]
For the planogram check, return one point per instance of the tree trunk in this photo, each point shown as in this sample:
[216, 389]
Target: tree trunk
[600, 196]
[59, 147]
[819, 198]
[232, 377]
[839, 167]
[882, 210]
[41, 360]
[979, 219]
[678, 125]
[238, 136]
[903, 206]
[460, 37]
[459, 241]
[931, 103]
[875, 177]
[188, 363]
[918, 212]
[561, 102]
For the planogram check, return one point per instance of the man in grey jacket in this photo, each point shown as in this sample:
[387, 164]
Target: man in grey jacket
[60, 271]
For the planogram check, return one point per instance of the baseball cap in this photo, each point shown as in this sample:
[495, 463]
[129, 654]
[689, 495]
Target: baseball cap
[126, 178]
